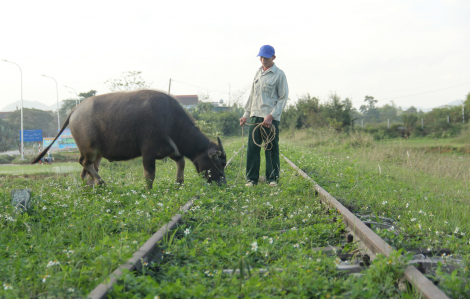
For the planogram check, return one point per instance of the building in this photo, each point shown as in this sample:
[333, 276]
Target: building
[188, 101]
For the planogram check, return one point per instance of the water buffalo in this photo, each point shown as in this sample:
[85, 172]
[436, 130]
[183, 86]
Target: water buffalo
[125, 125]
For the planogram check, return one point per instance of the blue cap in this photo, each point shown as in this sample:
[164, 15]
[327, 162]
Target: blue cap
[266, 51]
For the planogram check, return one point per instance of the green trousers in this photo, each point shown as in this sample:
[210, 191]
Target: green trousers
[253, 158]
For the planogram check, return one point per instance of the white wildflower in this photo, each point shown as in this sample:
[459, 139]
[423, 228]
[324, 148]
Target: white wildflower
[52, 263]
[254, 246]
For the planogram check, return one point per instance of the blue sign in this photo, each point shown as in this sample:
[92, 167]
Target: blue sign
[31, 135]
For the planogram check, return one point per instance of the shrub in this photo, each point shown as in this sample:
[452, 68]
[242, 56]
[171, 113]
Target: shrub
[6, 159]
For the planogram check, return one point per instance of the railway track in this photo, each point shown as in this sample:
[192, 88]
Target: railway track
[276, 239]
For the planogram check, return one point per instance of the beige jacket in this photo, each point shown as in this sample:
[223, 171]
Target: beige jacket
[268, 94]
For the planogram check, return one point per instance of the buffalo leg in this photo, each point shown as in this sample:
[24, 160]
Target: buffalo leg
[96, 166]
[149, 170]
[179, 168]
[89, 164]
[84, 173]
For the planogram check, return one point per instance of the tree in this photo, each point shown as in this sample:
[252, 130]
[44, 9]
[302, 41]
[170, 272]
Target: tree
[204, 107]
[65, 108]
[130, 80]
[235, 97]
[370, 112]
[409, 120]
[9, 136]
[388, 112]
[86, 95]
[34, 119]
[371, 101]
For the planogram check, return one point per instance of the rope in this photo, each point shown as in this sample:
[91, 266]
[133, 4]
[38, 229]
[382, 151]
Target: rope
[267, 138]
[240, 167]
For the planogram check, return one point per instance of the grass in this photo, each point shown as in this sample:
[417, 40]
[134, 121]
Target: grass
[426, 193]
[249, 229]
[35, 169]
[72, 237]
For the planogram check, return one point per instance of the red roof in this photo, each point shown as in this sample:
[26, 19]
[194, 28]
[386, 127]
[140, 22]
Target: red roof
[188, 99]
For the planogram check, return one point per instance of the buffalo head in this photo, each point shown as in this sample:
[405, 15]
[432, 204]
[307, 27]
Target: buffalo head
[212, 163]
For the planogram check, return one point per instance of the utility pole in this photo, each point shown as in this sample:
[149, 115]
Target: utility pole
[362, 123]
[388, 123]
[22, 132]
[169, 87]
[447, 118]
[422, 126]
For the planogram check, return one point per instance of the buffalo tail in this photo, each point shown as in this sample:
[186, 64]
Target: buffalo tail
[50, 145]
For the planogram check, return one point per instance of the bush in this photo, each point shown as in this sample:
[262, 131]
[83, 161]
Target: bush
[27, 159]
[225, 122]
[6, 159]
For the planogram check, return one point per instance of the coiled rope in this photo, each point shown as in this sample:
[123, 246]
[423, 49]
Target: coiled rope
[266, 138]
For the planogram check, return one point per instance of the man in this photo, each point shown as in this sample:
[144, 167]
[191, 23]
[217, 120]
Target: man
[268, 97]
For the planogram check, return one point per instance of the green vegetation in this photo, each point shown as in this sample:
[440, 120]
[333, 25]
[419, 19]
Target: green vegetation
[310, 112]
[74, 236]
[258, 232]
[426, 193]
[45, 168]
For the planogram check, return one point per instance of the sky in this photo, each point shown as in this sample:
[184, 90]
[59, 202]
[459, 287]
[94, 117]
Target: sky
[409, 52]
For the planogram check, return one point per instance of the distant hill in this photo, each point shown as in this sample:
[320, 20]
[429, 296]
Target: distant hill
[404, 108]
[29, 104]
[455, 103]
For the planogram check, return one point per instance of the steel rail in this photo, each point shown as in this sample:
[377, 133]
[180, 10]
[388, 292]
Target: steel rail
[372, 241]
[145, 253]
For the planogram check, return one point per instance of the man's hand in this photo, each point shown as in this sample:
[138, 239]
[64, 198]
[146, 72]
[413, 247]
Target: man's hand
[243, 121]
[268, 121]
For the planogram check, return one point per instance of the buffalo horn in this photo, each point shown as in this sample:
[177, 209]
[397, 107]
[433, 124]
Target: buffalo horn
[221, 147]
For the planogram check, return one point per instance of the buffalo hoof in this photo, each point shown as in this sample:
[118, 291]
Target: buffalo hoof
[91, 183]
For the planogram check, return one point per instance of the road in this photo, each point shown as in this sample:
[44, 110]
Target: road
[10, 153]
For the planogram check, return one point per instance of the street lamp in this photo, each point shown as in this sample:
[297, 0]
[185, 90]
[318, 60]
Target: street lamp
[58, 108]
[21, 133]
[76, 101]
